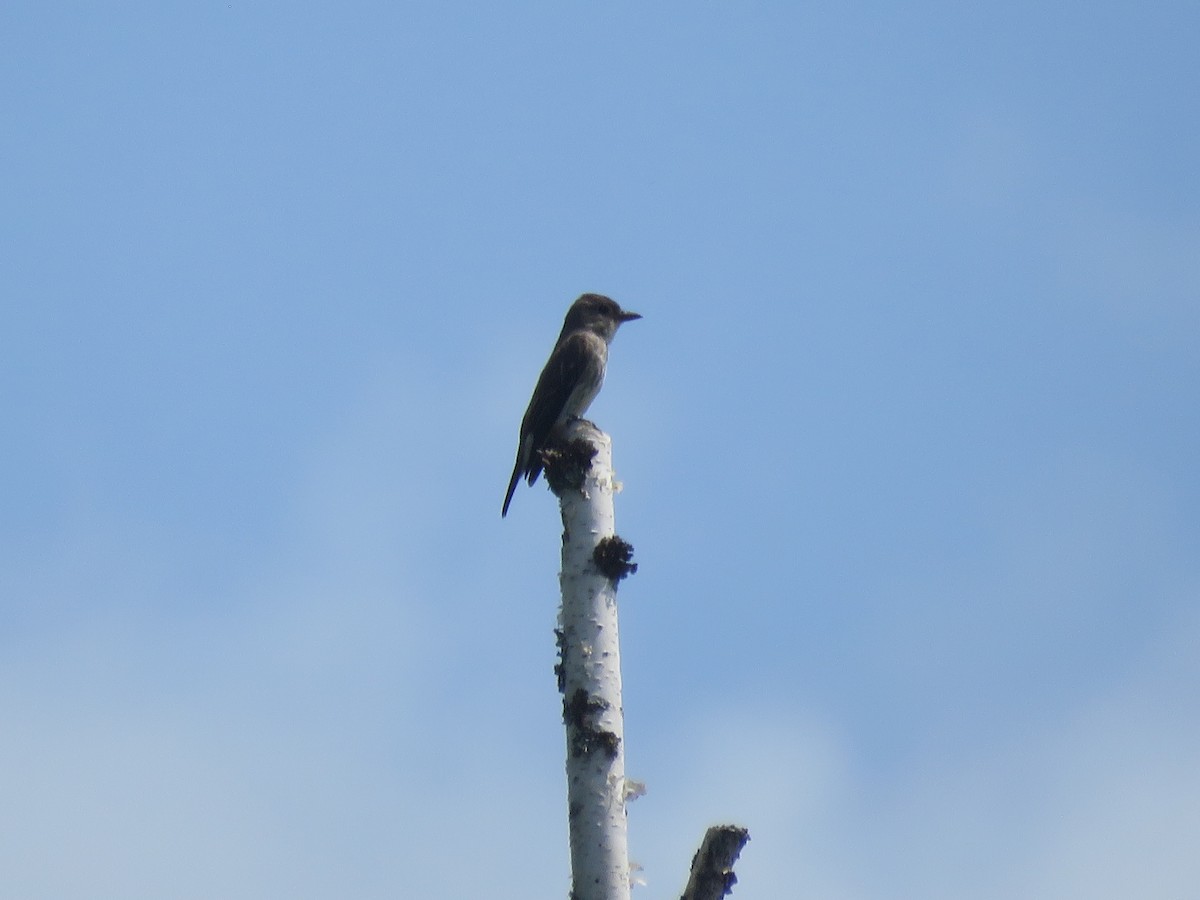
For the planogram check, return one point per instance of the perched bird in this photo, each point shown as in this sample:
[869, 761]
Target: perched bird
[569, 382]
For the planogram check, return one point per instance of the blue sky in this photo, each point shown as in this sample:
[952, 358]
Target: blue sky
[908, 434]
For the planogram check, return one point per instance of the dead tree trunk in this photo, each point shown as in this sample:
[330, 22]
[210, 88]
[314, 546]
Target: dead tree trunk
[594, 560]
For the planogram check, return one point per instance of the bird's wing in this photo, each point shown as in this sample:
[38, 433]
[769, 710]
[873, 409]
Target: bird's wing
[570, 365]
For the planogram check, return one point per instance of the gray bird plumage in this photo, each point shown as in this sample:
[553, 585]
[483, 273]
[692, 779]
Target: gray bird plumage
[570, 381]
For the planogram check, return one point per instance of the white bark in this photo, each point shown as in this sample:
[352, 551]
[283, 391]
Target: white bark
[591, 684]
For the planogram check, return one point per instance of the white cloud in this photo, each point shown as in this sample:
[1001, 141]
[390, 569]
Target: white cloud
[1140, 268]
[990, 162]
[1102, 803]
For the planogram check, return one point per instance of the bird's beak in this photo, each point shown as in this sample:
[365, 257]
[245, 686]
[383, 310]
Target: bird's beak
[627, 316]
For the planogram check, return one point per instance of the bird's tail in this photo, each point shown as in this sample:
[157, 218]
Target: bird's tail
[512, 486]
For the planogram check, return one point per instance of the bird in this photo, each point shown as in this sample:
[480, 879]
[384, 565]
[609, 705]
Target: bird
[569, 382]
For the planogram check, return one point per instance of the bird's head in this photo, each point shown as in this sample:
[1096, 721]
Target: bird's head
[598, 314]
